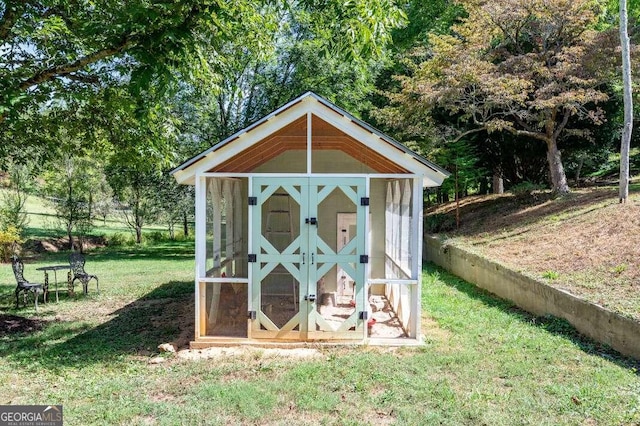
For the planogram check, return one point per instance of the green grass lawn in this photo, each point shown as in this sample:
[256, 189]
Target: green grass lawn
[484, 361]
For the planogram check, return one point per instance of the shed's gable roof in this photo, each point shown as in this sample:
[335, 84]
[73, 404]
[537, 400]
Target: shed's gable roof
[386, 147]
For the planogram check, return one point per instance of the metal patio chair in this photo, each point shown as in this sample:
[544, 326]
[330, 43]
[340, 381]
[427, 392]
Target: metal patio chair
[77, 261]
[25, 287]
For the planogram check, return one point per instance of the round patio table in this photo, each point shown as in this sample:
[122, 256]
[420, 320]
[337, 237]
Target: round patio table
[56, 268]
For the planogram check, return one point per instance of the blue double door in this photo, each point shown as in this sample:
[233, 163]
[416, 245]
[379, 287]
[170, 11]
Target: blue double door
[294, 244]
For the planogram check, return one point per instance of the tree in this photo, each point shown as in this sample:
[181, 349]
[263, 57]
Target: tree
[134, 189]
[54, 46]
[356, 30]
[304, 55]
[628, 104]
[529, 68]
[57, 49]
[68, 186]
[102, 199]
[142, 138]
[463, 161]
[424, 18]
[12, 211]
[175, 203]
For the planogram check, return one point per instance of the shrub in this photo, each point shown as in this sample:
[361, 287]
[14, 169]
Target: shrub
[8, 237]
[119, 239]
[155, 237]
[179, 236]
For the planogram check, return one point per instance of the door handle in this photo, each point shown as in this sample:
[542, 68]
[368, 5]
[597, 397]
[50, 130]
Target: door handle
[311, 220]
[310, 298]
[312, 258]
[303, 254]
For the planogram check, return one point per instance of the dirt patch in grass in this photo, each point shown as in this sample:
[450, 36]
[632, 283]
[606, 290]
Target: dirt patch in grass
[13, 324]
[585, 243]
[249, 352]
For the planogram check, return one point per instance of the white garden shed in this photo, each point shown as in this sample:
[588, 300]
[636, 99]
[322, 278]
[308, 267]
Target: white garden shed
[308, 228]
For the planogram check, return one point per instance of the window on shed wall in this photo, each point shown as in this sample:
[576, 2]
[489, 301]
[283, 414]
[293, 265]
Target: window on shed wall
[226, 228]
[398, 233]
[392, 237]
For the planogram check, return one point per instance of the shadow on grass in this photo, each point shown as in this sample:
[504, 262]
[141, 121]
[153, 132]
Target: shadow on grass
[166, 250]
[41, 232]
[551, 324]
[160, 251]
[163, 315]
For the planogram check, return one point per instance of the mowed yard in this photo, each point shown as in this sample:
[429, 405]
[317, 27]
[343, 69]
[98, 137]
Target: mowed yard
[483, 361]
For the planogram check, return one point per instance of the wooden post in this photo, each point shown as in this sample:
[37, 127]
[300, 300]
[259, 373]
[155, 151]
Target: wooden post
[457, 200]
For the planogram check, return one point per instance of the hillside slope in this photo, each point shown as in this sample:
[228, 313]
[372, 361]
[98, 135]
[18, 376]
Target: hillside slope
[586, 242]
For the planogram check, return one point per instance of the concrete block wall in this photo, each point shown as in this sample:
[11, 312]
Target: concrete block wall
[596, 322]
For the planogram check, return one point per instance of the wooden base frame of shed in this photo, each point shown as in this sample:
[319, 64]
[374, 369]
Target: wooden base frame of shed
[308, 230]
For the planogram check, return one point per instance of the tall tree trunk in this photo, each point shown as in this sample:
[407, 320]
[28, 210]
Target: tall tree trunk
[558, 177]
[70, 235]
[185, 224]
[579, 170]
[90, 212]
[138, 212]
[628, 104]
[497, 183]
[457, 200]
[70, 203]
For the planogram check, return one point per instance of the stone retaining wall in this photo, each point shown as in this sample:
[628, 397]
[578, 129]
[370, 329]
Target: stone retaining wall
[602, 325]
